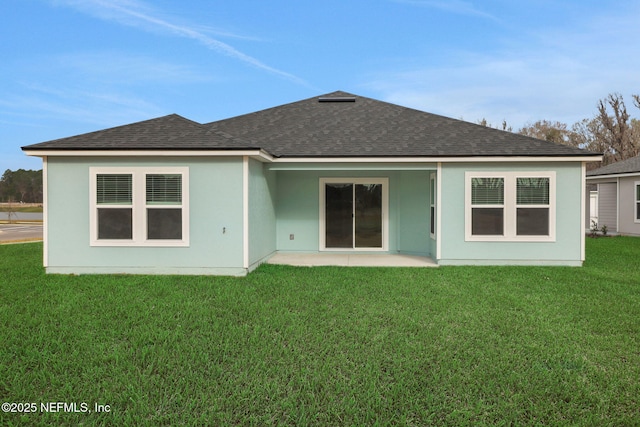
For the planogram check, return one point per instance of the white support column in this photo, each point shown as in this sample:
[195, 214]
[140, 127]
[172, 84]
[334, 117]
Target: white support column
[45, 212]
[245, 212]
[439, 211]
[583, 213]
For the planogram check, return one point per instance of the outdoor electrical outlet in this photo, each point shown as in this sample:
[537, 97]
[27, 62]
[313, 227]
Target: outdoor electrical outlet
[290, 236]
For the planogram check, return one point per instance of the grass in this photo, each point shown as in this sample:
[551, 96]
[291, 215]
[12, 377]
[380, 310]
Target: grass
[18, 208]
[327, 346]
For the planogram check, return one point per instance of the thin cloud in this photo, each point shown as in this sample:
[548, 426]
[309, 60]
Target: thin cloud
[555, 74]
[452, 6]
[135, 14]
[118, 67]
[89, 106]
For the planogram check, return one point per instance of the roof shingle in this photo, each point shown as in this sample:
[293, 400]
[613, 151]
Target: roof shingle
[172, 132]
[367, 127]
[631, 165]
[350, 126]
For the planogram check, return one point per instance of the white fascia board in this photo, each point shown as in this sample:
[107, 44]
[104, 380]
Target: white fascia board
[613, 176]
[264, 156]
[503, 159]
[260, 155]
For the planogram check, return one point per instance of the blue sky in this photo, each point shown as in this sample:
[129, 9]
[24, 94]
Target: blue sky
[75, 66]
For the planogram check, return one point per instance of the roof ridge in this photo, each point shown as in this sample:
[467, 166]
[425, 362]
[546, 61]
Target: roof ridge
[287, 104]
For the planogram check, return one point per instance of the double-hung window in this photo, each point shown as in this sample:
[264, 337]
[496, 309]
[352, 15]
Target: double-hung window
[137, 206]
[510, 206]
[636, 217]
[487, 206]
[432, 205]
[532, 206]
[114, 206]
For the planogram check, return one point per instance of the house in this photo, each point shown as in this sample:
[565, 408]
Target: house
[338, 173]
[618, 200]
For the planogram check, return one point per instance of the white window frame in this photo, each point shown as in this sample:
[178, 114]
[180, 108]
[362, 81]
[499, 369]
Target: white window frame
[636, 202]
[139, 206]
[385, 212]
[432, 206]
[510, 206]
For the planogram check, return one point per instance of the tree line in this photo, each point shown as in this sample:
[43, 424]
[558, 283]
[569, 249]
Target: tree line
[21, 186]
[611, 131]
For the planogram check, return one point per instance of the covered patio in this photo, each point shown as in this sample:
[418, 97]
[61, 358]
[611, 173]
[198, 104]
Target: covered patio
[350, 260]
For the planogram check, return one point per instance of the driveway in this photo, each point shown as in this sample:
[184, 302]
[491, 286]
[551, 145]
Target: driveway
[20, 232]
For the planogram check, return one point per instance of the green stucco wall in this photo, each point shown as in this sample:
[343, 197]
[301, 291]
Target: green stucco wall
[262, 212]
[284, 202]
[566, 250]
[297, 208]
[215, 215]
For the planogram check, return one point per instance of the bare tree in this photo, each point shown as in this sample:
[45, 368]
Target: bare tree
[549, 131]
[504, 126]
[589, 135]
[619, 134]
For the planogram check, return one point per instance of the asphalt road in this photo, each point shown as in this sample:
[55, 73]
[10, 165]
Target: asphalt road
[13, 232]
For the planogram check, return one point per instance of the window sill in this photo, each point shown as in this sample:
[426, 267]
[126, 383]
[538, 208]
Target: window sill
[146, 243]
[519, 239]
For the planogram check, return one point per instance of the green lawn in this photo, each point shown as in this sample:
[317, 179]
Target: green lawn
[327, 346]
[18, 208]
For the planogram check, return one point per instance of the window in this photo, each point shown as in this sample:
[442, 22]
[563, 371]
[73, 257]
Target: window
[510, 206]
[532, 200]
[139, 206]
[637, 203]
[432, 205]
[487, 206]
[114, 206]
[164, 201]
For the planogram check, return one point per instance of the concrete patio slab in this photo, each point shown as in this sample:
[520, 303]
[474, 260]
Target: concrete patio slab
[351, 260]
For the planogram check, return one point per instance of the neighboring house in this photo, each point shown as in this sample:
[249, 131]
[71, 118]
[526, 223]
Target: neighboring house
[618, 196]
[337, 173]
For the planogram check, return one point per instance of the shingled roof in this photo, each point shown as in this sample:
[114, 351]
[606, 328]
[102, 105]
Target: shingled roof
[631, 165]
[338, 124]
[172, 132]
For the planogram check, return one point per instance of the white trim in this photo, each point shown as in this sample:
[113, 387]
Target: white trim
[583, 210]
[245, 212]
[613, 175]
[265, 156]
[258, 154]
[45, 211]
[432, 205]
[351, 166]
[439, 212]
[617, 204]
[499, 159]
[636, 201]
[510, 206]
[385, 212]
[138, 206]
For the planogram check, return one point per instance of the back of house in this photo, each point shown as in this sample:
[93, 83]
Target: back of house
[334, 174]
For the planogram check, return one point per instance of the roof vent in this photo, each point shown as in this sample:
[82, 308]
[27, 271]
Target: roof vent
[337, 99]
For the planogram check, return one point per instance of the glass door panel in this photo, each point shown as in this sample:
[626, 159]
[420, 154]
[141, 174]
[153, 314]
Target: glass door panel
[339, 215]
[368, 215]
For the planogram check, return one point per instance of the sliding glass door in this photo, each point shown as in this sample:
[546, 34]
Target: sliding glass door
[339, 215]
[353, 213]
